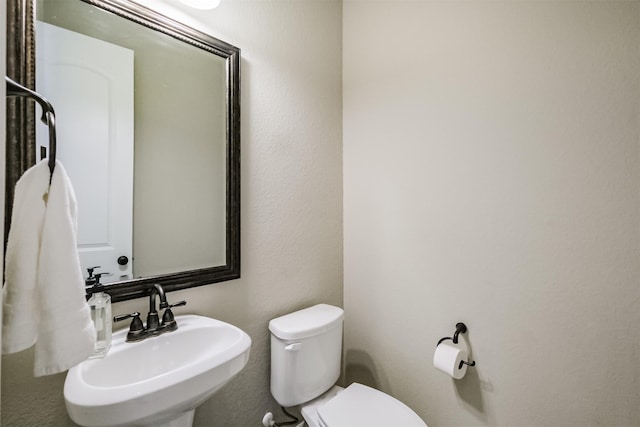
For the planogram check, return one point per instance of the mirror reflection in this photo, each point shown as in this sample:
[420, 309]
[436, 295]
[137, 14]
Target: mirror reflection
[142, 131]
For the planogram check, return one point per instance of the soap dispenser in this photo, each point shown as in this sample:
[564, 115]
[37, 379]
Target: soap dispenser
[100, 305]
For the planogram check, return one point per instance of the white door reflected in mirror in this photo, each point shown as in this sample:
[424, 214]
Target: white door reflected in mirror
[91, 84]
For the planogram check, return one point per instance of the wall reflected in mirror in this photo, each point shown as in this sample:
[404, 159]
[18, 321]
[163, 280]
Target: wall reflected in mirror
[141, 121]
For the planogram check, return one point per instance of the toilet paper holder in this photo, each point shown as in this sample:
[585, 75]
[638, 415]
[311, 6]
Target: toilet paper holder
[461, 328]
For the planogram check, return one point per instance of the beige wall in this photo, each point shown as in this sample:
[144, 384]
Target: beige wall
[291, 201]
[491, 171]
[491, 167]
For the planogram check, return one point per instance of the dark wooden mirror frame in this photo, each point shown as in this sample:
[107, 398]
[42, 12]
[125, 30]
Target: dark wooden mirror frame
[21, 146]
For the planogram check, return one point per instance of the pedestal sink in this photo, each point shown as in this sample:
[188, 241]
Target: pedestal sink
[159, 381]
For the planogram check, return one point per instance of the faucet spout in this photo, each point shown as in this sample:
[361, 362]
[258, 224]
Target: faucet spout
[157, 290]
[153, 321]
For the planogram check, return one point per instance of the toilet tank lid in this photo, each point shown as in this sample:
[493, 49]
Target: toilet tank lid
[307, 322]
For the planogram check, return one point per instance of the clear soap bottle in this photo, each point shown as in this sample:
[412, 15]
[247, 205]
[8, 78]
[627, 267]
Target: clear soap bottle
[100, 305]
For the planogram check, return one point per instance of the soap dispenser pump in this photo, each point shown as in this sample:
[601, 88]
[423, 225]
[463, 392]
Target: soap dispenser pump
[100, 305]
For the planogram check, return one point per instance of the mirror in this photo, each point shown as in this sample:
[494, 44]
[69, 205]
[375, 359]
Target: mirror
[172, 97]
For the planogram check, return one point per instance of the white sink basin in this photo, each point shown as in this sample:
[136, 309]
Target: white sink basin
[158, 381]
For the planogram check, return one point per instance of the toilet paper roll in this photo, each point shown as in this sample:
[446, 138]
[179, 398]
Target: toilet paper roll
[447, 358]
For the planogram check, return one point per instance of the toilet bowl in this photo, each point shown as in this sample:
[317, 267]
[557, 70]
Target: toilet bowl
[306, 350]
[358, 406]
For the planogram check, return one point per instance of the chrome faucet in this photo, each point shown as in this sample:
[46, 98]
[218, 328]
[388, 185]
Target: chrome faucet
[137, 331]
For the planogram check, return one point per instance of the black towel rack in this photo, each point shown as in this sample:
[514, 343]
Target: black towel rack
[48, 114]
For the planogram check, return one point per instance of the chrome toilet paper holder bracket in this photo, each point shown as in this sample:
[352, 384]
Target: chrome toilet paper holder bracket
[461, 328]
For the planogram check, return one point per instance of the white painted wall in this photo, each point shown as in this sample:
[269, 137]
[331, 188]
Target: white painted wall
[291, 200]
[491, 171]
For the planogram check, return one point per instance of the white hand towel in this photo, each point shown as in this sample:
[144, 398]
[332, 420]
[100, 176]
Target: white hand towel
[44, 290]
[20, 301]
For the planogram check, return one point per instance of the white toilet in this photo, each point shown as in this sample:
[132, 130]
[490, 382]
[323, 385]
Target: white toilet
[306, 350]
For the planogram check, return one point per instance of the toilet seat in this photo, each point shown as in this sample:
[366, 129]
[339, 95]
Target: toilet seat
[362, 406]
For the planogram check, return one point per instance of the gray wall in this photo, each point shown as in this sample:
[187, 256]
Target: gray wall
[491, 174]
[291, 200]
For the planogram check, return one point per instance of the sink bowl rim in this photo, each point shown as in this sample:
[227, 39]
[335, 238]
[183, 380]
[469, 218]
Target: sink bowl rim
[79, 393]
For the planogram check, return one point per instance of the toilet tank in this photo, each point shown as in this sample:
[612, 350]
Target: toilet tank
[306, 350]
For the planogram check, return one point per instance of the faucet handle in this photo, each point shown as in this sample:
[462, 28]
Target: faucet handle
[178, 304]
[136, 329]
[121, 317]
[168, 321]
